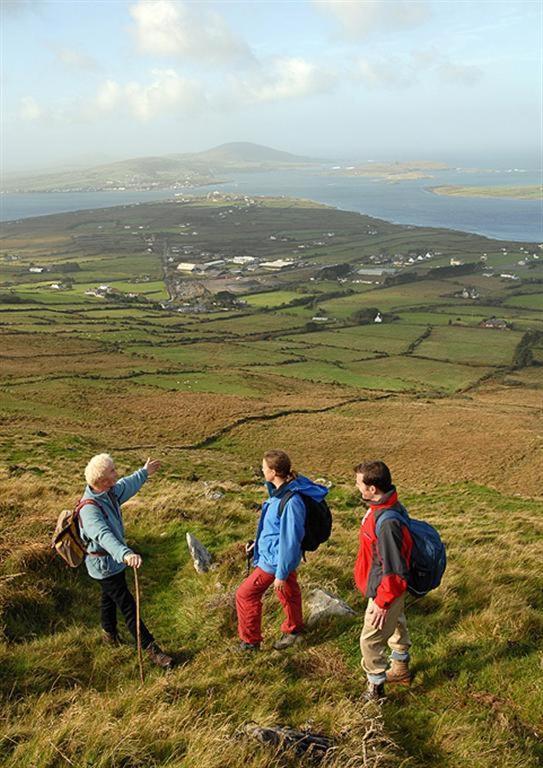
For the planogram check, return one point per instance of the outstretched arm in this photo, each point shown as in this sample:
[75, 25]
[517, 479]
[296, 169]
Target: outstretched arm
[128, 486]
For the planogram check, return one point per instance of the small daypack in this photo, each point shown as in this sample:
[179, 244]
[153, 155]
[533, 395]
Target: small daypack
[318, 520]
[428, 556]
[67, 541]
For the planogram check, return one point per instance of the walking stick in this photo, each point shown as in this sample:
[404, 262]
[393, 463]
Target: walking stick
[249, 547]
[138, 628]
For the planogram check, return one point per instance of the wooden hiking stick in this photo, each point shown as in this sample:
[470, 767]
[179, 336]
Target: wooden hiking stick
[138, 629]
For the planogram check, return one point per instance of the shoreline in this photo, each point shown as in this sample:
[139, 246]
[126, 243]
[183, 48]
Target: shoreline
[271, 197]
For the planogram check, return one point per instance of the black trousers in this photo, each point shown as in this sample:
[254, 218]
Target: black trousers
[115, 594]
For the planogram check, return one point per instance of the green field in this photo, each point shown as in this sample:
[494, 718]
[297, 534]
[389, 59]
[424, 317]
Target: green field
[528, 301]
[389, 338]
[211, 355]
[481, 346]
[272, 298]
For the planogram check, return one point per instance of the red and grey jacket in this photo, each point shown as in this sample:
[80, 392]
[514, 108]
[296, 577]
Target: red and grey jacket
[383, 560]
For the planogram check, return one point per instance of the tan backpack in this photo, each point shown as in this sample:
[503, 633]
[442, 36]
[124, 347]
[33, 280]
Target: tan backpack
[67, 541]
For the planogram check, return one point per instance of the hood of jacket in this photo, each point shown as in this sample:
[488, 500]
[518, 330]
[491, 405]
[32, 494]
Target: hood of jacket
[301, 484]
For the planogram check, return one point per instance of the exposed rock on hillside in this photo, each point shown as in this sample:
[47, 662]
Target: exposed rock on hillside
[323, 605]
[200, 555]
[301, 742]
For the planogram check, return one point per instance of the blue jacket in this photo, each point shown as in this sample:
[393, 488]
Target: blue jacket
[104, 530]
[278, 539]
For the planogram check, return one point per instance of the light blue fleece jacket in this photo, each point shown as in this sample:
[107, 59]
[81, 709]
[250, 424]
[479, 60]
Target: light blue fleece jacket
[102, 528]
[278, 539]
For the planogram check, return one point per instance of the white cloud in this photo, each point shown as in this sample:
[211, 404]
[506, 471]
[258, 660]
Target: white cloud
[29, 109]
[73, 59]
[108, 96]
[282, 79]
[174, 28]
[359, 18]
[167, 92]
[394, 72]
[384, 73]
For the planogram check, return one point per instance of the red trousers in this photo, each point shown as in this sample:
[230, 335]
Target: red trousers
[249, 605]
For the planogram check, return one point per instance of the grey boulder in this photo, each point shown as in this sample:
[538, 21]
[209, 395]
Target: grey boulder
[323, 605]
[201, 558]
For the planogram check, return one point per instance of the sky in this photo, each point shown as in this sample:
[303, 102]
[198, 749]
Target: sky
[88, 82]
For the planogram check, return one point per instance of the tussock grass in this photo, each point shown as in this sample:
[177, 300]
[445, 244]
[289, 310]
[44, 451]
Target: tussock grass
[477, 697]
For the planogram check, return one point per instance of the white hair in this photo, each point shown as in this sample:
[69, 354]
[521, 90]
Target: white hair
[97, 468]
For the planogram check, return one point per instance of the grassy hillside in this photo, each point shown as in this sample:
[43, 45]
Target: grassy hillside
[454, 408]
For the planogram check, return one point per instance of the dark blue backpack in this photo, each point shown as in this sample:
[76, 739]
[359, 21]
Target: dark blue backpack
[318, 520]
[428, 557]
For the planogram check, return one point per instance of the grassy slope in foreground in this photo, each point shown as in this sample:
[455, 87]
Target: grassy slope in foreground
[476, 698]
[528, 192]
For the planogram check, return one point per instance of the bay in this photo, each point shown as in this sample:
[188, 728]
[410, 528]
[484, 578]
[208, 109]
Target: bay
[405, 202]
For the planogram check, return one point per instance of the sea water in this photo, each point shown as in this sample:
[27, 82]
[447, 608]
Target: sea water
[405, 202]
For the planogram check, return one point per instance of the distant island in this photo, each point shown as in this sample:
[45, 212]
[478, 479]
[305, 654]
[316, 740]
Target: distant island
[392, 172]
[178, 171]
[527, 192]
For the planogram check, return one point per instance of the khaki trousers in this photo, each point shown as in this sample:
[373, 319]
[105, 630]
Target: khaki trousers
[373, 642]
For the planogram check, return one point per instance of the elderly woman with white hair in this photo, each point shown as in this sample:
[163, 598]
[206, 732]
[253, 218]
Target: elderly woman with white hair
[102, 530]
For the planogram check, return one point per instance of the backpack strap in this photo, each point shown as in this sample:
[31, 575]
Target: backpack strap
[282, 504]
[83, 503]
[284, 501]
[392, 513]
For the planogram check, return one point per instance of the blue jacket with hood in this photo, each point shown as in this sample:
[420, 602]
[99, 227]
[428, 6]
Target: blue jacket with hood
[278, 539]
[102, 528]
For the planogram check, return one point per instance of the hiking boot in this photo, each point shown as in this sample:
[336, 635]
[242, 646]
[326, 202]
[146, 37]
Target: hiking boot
[158, 656]
[399, 673]
[111, 638]
[374, 692]
[243, 647]
[287, 640]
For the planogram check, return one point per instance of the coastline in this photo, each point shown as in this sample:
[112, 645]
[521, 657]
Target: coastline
[294, 199]
[409, 204]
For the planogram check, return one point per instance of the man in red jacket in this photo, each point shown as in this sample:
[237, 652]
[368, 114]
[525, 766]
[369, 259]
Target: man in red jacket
[380, 573]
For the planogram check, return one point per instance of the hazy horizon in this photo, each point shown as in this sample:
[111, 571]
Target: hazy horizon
[86, 83]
